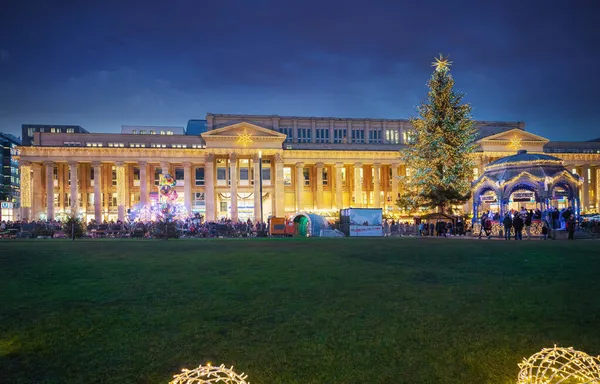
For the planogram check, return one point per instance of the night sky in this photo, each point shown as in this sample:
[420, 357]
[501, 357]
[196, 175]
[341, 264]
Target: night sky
[164, 62]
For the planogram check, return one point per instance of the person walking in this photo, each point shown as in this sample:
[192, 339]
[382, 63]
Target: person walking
[528, 220]
[508, 223]
[571, 227]
[518, 226]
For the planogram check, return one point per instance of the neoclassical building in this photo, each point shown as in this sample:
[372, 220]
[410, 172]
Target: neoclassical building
[309, 164]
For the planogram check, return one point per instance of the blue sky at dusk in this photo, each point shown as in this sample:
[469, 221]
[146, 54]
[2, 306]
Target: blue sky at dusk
[104, 64]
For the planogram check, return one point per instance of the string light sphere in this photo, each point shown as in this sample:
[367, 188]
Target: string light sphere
[207, 374]
[559, 366]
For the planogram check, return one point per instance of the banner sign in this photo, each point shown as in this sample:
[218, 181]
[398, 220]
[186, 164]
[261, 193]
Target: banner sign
[6, 204]
[366, 230]
[487, 198]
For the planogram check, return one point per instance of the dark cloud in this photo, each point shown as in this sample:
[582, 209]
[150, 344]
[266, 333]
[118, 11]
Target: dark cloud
[103, 64]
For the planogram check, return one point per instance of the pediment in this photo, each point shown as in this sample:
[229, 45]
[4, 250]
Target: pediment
[236, 130]
[244, 135]
[513, 134]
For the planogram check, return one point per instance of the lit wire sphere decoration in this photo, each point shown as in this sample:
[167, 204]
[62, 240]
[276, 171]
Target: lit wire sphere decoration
[560, 366]
[206, 374]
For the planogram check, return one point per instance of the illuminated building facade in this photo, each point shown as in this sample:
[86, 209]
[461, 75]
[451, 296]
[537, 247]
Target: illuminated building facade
[9, 176]
[309, 164]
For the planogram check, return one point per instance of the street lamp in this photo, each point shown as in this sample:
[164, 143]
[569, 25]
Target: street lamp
[260, 184]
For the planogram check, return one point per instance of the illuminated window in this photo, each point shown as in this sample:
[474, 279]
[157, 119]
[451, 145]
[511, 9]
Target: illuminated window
[152, 132]
[391, 136]
[325, 176]
[162, 132]
[475, 173]
[304, 135]
[70, 130]
[343, 175]
[134, 132]
[287, 176]
[266, 172]
[142, 132]
[169, 132]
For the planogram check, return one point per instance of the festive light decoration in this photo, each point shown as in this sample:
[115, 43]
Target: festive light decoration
[244, 138]
[439, 153]
[206, 374]
[528, 163]
[441, 63]
[526, 175]
[559, 365]
[25, 186]
[515, 143]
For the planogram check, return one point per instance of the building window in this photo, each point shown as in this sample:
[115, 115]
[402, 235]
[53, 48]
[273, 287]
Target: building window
[169, 132]
[339, 136]
[344, 176]
[223, 206]
[162, 132]
[475, 173]
[199, 176]
[179, 174]
[289, 132]
[70, 130]
[287, 176]
[152, 132]
[322, 135]
[114, 176]
[266, 171]
[325, 176]
[408, 136]
[116, 145]
[134, 132]
[30, 132]
[221, 172]
[157, 173]
[304, 135]
[142, 132]
[137, 145]
[199, 199]
[391, 136]
[375, 136]
[306, 172]
[358, 136]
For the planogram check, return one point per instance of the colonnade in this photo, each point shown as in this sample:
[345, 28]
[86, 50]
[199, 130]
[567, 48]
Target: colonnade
[107, 179]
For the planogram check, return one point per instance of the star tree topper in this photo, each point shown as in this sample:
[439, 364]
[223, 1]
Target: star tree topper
[244, 138]
[441, 63]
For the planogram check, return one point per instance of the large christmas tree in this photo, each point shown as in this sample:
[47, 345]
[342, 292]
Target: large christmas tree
[439, 167]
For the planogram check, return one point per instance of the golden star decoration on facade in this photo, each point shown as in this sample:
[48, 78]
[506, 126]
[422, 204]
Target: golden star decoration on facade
[441, 63]
[515, 143]
[244, 138]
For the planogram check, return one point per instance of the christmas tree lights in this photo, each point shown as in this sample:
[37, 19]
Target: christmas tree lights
[439, 152]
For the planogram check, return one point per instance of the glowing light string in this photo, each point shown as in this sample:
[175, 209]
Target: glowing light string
[206, 374]
[559, 365]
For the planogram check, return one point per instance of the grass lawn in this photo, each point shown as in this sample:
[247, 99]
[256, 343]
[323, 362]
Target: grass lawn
[292, 310]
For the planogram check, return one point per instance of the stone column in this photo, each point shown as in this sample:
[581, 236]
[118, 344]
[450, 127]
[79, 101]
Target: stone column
[313, 133]
[257, 196]
[74, 203]
[395, 186]
[209, 187]
[339, 186]
[164, 165]
[295, 131]
[25, 190]
[331, 131]
[187, 186]
[49, 190]
[233, 180]
[585, 196]
[299, 186]
[597, 194]
[377, 185]
[97, 191]
[143, 182]
[367, 132]
[319, 189]
[279, 187]
[38, 192]
[120, 190]
[357, 186]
